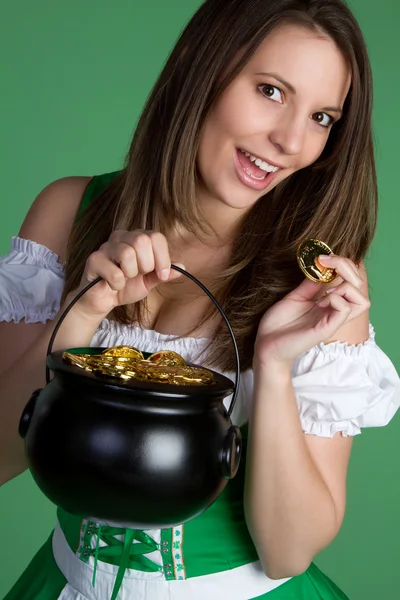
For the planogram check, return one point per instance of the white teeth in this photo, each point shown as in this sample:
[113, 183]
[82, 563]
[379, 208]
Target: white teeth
[262, 164]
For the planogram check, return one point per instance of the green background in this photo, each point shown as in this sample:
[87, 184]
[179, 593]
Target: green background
[74, 76]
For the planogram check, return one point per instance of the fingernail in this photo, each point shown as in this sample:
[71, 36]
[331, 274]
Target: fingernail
[164, 274]
[330, 290]
[324, 257]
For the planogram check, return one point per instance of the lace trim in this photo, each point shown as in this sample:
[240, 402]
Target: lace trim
[42, 255]
[344, 348]
[328, 428]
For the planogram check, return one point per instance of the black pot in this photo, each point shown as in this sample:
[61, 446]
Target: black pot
[130, 453]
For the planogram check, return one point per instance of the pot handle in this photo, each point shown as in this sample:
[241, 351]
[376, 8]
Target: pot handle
[205, 290]
[231, 452]
[28, 413]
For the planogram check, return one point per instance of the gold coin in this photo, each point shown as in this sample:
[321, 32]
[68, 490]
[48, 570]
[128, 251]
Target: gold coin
[123, 352]
[156, 372]
[307, 258]
[78, 360]
[93, 361]
[196, 376]
[107, 372]
[168, 358]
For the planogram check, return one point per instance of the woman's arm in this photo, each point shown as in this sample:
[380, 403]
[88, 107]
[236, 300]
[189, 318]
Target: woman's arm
[295, 483]
[295, 491]
[49, 222]
[23, 345]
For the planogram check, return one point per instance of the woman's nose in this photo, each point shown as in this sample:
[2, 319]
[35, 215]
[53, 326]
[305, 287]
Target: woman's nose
[289, 133]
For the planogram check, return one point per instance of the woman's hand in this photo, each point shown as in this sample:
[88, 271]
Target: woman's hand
[131, 264]
[300, 320]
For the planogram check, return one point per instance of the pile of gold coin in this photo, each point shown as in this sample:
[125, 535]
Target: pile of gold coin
[307, 258]
[126, 363]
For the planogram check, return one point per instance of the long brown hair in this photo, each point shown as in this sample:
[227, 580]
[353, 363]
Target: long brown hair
[335, 199]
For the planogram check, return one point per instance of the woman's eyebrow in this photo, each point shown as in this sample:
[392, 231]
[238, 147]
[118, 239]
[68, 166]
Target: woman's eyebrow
[275, 76]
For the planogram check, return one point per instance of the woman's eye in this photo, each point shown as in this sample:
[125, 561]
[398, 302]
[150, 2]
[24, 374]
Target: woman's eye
[271, 92]
[323, 119]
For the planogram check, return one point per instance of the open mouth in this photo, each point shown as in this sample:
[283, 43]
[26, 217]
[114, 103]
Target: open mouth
[256, 167]
[253, 171]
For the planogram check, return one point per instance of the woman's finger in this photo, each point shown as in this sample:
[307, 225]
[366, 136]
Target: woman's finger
[336, 302]
[124, 256]
[336, 311]
[344, 267]
[98, 264]
[346, 298]
[152, 253]
[307, 290]
[152, 279]
[162, 260]
[144, 253]
[350, 293]
[141, 244]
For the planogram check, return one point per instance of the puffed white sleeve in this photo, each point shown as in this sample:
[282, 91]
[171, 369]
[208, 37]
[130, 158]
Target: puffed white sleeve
[31, 283]
[344, 388]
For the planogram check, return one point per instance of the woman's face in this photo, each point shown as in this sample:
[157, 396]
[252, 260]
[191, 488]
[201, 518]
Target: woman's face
[274, 118]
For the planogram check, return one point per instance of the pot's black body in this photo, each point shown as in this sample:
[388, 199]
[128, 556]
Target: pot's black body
[135, 454]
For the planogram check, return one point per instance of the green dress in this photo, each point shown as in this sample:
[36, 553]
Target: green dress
[212, 556]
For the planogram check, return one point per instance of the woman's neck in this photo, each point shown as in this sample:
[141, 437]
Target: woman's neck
[222, 225]
[224, 220]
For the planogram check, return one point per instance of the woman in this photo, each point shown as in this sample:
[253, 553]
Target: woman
[256, 136]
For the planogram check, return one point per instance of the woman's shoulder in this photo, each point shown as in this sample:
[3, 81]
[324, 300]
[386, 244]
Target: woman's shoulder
[51, 216]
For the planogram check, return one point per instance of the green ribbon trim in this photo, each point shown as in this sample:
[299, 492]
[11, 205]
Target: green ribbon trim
[126, 555]
[128, 541]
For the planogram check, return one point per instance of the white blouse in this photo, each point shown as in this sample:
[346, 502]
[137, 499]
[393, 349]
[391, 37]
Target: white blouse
[338, 387]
